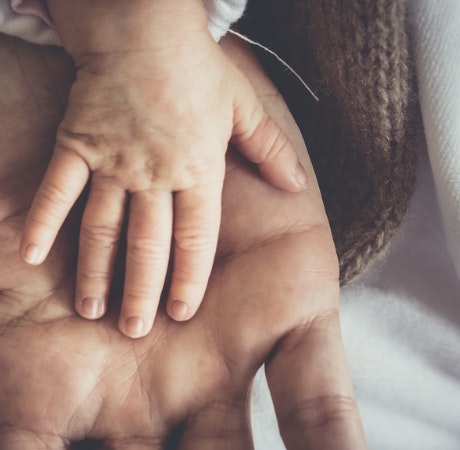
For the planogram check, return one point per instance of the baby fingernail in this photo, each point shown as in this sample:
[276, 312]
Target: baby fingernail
[135, 327]
[32, 254]
[300, 176]
[91, 308]
[178, 310]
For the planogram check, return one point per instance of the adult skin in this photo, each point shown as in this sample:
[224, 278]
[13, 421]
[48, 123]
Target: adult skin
[272, 298]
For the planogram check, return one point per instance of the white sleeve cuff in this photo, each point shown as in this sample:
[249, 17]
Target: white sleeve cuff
[222, 14]
[27, 20]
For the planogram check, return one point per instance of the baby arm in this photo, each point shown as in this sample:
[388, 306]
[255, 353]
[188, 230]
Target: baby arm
[148, 120]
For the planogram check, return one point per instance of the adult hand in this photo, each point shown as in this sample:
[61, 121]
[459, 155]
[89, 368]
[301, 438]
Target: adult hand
[272, 297]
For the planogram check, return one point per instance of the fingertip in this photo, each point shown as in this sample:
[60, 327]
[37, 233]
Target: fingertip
[90, 308]
[32, 254]
[290, 180]
[179, 310]
[300, 177]
[134, 327]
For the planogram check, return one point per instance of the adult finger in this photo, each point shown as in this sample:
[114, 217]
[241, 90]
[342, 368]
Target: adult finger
[64, 181]
[221, 424]
[147, 258]
[312, 391]
[264, 143]
[197, 214]
[99, 241]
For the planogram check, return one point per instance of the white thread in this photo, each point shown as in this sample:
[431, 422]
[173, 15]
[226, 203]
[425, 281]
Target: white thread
[285, 64]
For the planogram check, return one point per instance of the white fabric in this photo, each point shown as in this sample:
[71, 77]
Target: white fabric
[222, 14]
[438, 57]
[29, 27]
[401, 319]
[32, 26]
[401, 325]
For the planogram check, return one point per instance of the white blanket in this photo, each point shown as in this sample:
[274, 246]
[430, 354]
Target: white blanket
[401, 319]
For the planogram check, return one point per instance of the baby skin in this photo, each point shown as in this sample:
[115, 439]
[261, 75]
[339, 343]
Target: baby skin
[148, 121]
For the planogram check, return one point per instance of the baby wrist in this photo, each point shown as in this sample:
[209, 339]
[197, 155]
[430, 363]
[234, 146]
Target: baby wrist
[109, 26]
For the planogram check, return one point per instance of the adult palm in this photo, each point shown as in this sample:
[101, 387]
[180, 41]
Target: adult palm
[272, 298]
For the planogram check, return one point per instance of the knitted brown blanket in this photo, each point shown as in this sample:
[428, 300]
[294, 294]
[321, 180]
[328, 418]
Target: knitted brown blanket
[360, 135]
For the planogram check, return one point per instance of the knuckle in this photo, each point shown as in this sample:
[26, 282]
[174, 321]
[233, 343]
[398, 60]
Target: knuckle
[192, 240]
[85, 274]
[133, 298]
[247, 133]
[138, 297]
[106, 235]
[200, 165]
[52, 196]
[276, 141]
[197, 171]
[43, 222]
[142, 250]
[272, 138]
[68, 139]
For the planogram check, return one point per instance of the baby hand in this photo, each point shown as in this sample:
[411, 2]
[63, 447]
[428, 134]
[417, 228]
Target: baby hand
[149, 130]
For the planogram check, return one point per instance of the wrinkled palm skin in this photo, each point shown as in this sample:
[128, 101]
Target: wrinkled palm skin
[272, 298]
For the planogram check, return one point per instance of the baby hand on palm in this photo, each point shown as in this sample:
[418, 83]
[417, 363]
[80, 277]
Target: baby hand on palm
[149, 131]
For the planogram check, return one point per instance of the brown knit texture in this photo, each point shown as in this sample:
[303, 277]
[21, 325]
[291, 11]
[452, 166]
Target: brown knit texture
[360, 135]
